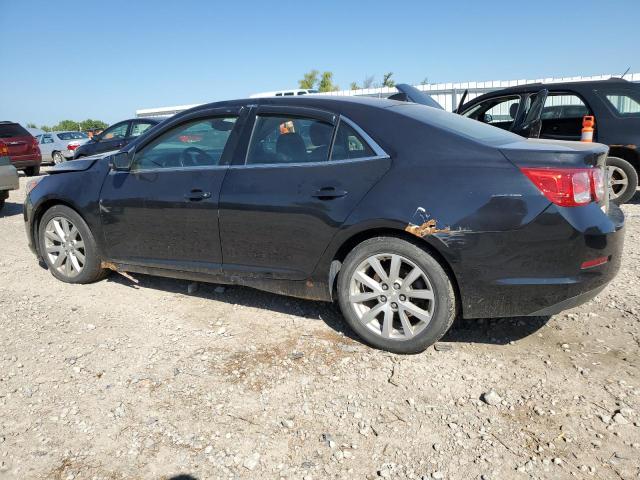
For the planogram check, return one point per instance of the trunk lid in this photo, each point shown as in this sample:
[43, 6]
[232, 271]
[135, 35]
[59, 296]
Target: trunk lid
[18, 140]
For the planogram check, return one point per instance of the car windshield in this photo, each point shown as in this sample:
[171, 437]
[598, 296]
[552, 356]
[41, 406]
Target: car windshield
[9, 130]
[71, 135]
[458, 124]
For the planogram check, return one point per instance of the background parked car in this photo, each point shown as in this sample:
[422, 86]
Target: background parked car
[22, 147]
[56, 147]
[8, 174]
[615, 103]
[115, 137]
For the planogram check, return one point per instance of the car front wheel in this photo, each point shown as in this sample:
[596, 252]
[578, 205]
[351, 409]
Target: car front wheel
[623, 180]
[68, 246]
[395, 295]
[32, 171]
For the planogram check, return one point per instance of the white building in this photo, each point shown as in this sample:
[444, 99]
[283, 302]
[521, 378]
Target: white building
[446, 94]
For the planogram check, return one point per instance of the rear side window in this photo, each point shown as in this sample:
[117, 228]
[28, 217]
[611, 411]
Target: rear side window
[625, 103]
[8, 130]
[138, 128]
[564, 105]
[349, 144]
[282, 139]
[71, 135]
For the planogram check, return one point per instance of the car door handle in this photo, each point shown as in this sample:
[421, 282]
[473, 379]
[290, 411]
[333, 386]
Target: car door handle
[327, 193]
[197, 195]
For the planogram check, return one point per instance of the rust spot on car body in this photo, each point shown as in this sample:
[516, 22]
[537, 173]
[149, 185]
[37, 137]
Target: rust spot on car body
[426, 227]
[109, 266]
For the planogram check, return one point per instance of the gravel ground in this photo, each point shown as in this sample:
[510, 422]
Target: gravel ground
[157, 379]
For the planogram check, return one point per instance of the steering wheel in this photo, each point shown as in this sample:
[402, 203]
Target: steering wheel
[193, 157]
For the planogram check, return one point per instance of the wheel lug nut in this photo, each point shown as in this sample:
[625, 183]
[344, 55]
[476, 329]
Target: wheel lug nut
[383, 298]
[402, 298]
[385, 286]
[396, 286]
[394, 305]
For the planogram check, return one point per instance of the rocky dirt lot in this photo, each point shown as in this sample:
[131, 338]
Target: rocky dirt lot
[155, 380]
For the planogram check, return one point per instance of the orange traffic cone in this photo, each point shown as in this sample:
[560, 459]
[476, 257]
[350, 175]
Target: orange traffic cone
[588, 122]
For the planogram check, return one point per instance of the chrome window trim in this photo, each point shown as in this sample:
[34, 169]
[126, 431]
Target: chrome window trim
[365, 136]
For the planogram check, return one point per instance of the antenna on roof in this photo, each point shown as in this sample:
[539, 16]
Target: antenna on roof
[625, 72]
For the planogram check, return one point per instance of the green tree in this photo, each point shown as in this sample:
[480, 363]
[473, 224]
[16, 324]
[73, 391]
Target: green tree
[326, 83]
[66, 125]
[355, 86]
[368, 81]
[309, 80]
[90, 124]
[387, 81]
[31, 125]
[45, 128]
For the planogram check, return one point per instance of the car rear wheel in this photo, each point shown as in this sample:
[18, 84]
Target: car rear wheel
[57, 158]
[395, 295]
[2, 203]
[32, 171]
[68, 246]
[623, 180]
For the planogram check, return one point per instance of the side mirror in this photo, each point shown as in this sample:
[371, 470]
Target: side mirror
[488, 118]
[120, 162]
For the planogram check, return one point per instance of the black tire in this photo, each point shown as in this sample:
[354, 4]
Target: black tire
[445, 309]
[632, 179]
[32, 171]
[2, 200]
[91, 271]
[57, 158]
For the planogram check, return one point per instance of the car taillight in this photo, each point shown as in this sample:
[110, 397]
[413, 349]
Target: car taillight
[34, 146]
[4, 150]
[568, 187]
[72, 147]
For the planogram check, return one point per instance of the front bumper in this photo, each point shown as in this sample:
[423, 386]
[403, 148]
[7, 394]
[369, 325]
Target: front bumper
[536, 270]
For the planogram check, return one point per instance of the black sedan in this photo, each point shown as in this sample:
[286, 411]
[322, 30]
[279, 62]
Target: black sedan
[117, 136]
[407, 215]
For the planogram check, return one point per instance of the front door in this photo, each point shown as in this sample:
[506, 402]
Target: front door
[281, 206]
[46, 147]
[164, 211]
[113, 138]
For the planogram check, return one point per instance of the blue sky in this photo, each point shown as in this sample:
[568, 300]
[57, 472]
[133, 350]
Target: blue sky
[78, 59]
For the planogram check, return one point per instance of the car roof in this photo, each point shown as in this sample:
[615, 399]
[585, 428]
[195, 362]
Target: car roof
[577, 85]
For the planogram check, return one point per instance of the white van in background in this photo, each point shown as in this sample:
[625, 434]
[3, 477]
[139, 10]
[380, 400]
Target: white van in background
[284, 93]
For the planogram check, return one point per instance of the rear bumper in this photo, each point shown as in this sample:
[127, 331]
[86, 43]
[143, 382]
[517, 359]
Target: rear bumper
[26, 161]
[536, 270]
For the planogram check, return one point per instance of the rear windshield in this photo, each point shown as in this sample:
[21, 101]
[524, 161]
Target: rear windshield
[465, 127]
[8, 130]
[71, 135]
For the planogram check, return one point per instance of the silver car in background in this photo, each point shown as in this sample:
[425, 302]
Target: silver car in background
[57, 147]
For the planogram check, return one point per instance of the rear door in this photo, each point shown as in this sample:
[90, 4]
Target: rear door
[562, 116]
[501, 112]
[46, 146]
[529, 123]
[303, 172]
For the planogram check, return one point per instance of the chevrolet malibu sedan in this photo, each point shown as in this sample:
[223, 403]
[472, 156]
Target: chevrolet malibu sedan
[406, 215]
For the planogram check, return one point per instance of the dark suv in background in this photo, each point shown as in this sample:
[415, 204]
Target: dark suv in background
[555, 111]
[115, 137]
[22, 147]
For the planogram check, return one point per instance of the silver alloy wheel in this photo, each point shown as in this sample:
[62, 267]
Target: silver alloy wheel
[618, 181]
[64, 246]
[57, 158]
[392, 296]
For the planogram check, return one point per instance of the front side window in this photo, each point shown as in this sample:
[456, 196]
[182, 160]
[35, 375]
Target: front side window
[199, 143]
[282, 139]
[116, 132]
[138, 128]
[349, 144]
[72, 135]
[500, 112]
[625, 103]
